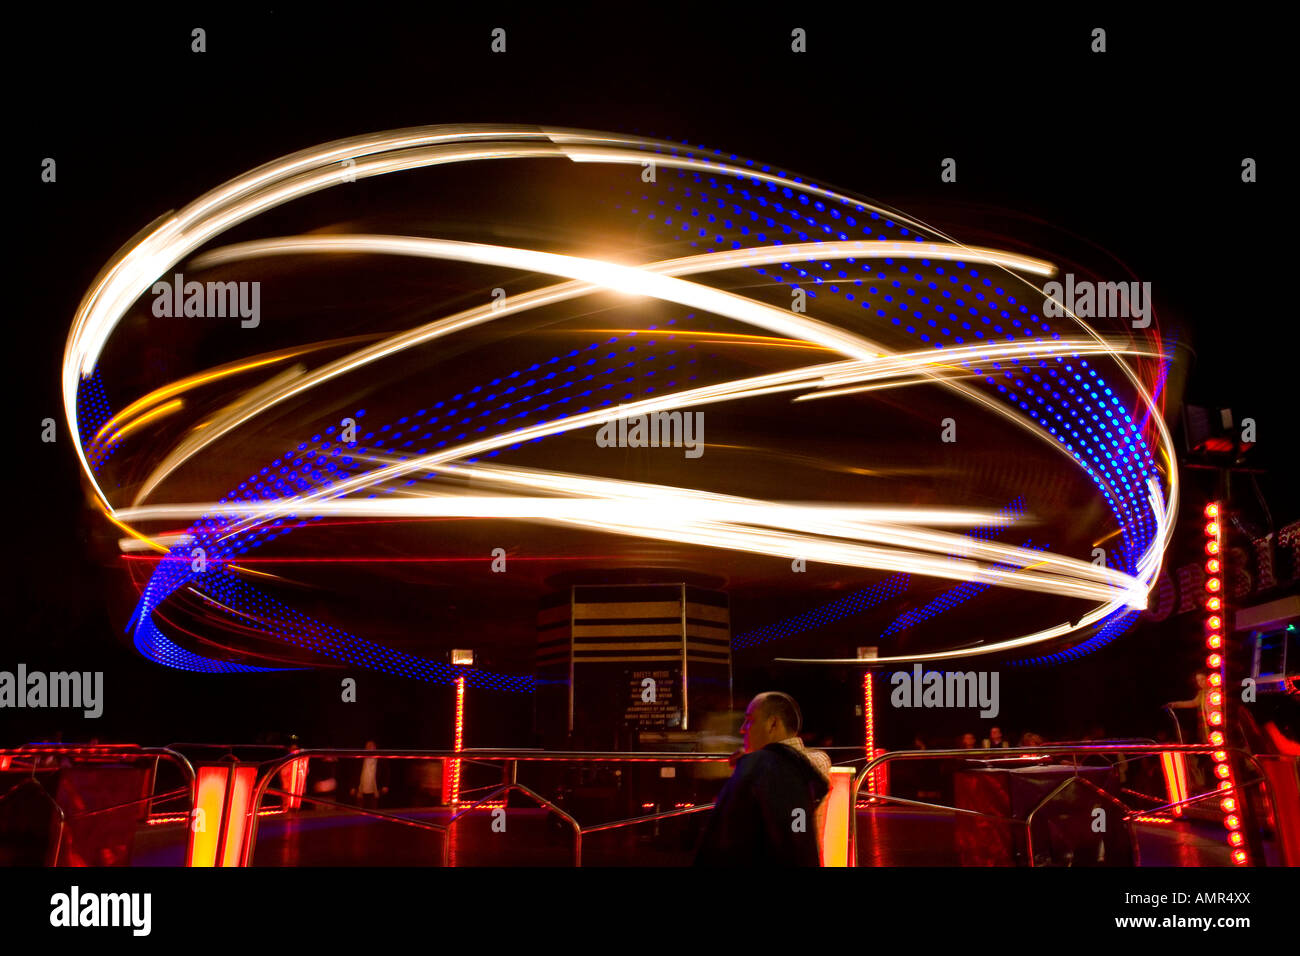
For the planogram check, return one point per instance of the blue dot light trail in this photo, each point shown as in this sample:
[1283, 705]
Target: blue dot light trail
[892, 304]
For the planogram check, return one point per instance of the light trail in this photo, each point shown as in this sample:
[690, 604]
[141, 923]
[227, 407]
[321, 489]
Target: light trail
[877, 538]
[175, 405]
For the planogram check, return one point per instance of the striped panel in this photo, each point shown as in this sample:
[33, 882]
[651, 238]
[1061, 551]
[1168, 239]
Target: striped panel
[628, 627]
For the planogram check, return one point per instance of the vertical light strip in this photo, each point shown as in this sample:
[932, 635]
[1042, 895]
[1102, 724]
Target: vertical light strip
[297, 782]
[869, 728]
[1214, 706]
[454, 764]
[686, 701]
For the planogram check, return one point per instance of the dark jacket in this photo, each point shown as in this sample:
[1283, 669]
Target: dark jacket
[752, 823]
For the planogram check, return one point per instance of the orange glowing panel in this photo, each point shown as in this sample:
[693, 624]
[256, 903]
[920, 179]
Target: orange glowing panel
[1175, 768]
[236, 821]
[205, 826]
[836, 849]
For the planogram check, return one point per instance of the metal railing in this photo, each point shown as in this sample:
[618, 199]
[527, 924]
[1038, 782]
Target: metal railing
[1124, 751]
[510, 760]
[39, 754]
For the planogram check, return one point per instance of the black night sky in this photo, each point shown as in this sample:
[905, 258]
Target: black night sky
[1138, 151]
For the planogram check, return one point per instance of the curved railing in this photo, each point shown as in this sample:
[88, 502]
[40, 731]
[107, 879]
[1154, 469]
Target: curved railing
[37, 756]
[1124, 750]
[508, 758]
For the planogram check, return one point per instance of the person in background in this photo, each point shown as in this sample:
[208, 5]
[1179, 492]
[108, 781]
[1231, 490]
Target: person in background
[767, 812]
[1196, 703]
[370, 787]
[967, 742]
[995, 740]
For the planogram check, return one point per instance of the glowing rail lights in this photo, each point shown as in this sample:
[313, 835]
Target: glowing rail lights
[1214, 703]
[1084, 421]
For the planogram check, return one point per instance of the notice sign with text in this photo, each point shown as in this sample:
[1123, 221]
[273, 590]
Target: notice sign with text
[652, 702]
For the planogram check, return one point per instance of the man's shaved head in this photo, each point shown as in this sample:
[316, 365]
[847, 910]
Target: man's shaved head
[770, 717]
[783, 708]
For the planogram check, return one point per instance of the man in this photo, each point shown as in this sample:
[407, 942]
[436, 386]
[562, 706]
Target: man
[766, 814]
